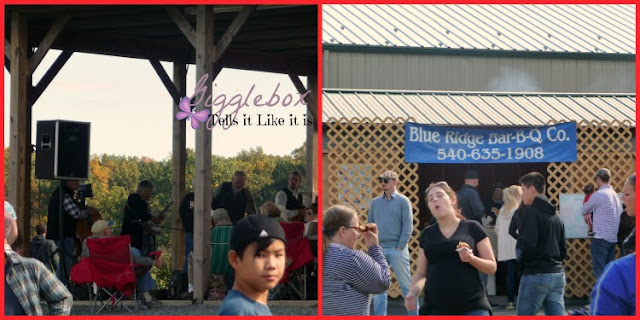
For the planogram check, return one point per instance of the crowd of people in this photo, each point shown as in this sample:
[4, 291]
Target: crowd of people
[455, 252]
[255, 240]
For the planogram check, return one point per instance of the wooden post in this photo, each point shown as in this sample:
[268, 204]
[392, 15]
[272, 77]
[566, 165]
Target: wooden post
[20, 129]
[205, 59]
[312, 138]
[178, 161]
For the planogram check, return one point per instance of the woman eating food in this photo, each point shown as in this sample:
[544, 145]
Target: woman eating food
[452, 252]
[350, 277]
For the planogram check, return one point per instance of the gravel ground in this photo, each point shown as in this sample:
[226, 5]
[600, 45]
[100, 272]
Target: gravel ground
[180, 308]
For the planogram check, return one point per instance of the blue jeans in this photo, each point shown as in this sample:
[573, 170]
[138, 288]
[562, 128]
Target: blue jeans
[512, 278]
[67, 254]
[148, 245]
[480, 312]
[399, 262]
[541, 290]
[145, 281]
[602, 252]
[188, 247]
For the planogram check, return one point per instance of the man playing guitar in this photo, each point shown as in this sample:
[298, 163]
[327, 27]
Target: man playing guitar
[136, 215]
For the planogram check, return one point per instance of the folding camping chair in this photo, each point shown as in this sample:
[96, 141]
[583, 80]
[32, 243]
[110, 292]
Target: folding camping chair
[220, 267]
[298, 255]
[110, 269]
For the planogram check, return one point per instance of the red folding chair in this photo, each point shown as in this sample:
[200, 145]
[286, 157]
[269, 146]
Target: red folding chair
[110, 269]
[299, 254]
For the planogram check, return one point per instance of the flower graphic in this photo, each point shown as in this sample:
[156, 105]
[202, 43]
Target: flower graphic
[186, 113]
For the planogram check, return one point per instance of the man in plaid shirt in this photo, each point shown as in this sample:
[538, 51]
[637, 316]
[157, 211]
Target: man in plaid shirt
[71, 212]
[27, 279]
[605, 207]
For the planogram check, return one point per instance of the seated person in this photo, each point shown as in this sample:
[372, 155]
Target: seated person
[101, 229]
[221, 220]
[270, 209]
[44, 249]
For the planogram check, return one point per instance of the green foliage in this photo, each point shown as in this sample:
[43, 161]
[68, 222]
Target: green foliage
[161, 276]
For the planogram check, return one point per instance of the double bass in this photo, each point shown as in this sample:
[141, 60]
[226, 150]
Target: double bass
[83, 225]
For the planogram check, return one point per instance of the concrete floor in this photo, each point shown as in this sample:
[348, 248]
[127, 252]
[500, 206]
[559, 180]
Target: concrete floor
[396, 306]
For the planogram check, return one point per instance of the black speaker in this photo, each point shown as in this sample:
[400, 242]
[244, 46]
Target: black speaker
[62, 150]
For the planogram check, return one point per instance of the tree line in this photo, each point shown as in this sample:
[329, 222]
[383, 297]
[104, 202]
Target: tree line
[114, 177]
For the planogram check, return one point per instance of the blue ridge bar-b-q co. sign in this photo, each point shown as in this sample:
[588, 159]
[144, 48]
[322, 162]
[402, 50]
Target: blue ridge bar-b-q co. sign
[439, 144]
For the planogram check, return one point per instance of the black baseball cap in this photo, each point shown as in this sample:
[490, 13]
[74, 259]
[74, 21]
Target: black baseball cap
[252, 228]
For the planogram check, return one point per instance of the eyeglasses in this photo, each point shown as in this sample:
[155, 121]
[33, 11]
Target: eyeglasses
[385, 180]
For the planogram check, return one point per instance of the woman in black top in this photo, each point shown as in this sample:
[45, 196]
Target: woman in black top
[453, 285]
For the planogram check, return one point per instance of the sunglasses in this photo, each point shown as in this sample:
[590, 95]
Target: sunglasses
[385, 180]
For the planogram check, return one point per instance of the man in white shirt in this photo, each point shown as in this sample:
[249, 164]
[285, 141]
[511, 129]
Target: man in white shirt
[289, 199]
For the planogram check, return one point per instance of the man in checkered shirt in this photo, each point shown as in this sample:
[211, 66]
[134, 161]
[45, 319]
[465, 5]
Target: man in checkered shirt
[605, 207]
[71, 212]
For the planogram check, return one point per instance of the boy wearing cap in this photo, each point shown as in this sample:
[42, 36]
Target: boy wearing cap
[391, 212]
[102, 229]
[604, 205]
[257, 255]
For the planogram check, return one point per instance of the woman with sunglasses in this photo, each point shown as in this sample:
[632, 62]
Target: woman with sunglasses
[615, 290]
[350, 277]
[452, 252]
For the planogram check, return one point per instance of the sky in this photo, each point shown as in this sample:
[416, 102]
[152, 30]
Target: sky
[131, 114]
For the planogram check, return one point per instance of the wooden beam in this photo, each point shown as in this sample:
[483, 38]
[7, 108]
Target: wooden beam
[20, 129]
[178, 162]
[312, 106]
[47, 41]
[182, 23]
[7, 48]
[49, 76]
[205, 59]
[312, 139]
[268, 62]
[233, 29]
[171, 88]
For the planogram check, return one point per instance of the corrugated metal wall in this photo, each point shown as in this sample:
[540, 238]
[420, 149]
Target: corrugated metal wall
[389, 71]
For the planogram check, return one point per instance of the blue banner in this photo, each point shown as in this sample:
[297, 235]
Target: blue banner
[438, 144]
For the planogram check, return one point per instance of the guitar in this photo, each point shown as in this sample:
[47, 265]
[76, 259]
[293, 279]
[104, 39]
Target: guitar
[151, 227]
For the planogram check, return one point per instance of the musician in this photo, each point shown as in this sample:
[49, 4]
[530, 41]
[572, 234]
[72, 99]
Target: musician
[136, 214]
[72, 212]
[289, 199]
[186, 214]
[234, 197]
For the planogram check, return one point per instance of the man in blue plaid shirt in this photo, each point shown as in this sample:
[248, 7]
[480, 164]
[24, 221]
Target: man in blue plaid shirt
[27, 280]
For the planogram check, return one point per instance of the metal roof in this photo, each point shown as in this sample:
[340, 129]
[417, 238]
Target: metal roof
[511, 27]
[477, 108]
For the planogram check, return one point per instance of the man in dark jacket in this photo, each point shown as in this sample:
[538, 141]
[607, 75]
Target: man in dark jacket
[44, 249]
[468, 198]
[542, 244]
[234, 197]
[136, 214]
